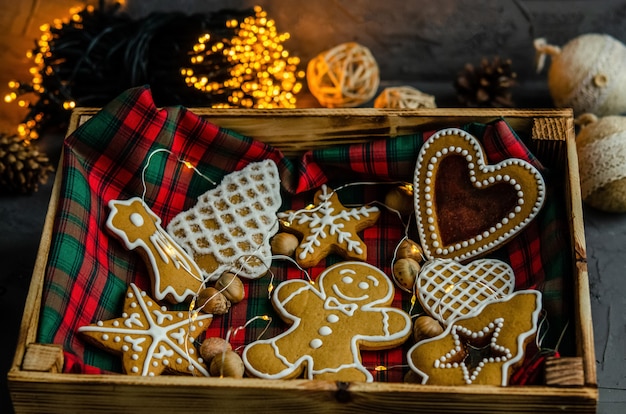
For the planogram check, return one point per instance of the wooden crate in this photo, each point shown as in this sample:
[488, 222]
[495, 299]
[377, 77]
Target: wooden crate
[37, 385]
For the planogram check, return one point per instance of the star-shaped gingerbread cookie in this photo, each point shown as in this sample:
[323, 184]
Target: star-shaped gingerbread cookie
[483, 347]
[328, 227]
[150, 338]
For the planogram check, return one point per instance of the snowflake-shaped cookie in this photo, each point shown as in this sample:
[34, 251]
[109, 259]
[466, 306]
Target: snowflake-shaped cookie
[150, 338]
[329, 227]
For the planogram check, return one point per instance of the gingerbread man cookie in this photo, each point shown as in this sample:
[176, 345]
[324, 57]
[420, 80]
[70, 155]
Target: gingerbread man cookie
[150, 338]
[350, 312]
[329, 227]
[481, 348]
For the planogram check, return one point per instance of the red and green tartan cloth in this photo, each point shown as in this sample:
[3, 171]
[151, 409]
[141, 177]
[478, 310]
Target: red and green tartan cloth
[89, 271]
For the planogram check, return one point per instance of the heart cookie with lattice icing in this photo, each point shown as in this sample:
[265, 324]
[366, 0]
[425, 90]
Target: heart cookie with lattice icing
[466, 207]
[448, 290]
[482, 348]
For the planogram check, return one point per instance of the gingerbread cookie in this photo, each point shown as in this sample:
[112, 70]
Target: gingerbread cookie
[150, 338]
[231, 225]
[447, 289]
[466, 207]
[481, 348]
[174, 275]
[329, 227]
[348, 312]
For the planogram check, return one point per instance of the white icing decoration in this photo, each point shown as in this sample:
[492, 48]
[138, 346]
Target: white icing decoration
[325, 331]
[315, 343]
[448, 289]
[160, 344]
[324, 221]
[423, 194]
[136, 219]
[166, 258]
[325, 294]
[511, 357]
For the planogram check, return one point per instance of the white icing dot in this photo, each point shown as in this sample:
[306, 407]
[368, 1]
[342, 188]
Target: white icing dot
[179, 360]
[100, 323]
[315, 343]
[347, 280]
[135, 369]
[135, 357]
[105, 337]
[125, 348]
[117, 339]
[116, 323]
[364, 285]
[136, 219]
[155, 363]
[332, 318]
[325, 331]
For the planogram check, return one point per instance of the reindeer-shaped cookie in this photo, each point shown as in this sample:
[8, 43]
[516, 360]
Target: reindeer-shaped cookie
[174, 274]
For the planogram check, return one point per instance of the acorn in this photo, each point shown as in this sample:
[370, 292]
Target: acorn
[405, 272]
[211, 300]
[213, 346]
[284, 243]
[426, 327]
[410, 249]
[227, 364]
[231, 287]
[400, 199]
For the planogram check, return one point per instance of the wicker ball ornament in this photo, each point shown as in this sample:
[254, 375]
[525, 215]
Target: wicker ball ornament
[588, 74]
[345, 76]
[404, 97]
[601, 147]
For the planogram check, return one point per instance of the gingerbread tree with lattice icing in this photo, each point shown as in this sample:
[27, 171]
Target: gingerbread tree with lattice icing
[230, 226]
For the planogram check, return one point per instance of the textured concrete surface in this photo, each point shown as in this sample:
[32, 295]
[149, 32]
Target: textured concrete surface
[418, 42]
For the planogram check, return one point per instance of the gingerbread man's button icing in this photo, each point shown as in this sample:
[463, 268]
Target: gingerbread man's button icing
[329, 227]
[482, 348]
[150, 338]
[349, 311]
[466, 207]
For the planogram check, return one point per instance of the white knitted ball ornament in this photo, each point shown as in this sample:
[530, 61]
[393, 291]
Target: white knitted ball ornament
[588, 74]
[601, 148]
[344, 76]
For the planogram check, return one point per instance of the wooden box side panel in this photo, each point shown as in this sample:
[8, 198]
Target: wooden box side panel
[67, 393]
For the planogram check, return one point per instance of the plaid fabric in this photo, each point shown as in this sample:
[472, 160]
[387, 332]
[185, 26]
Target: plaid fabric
[88, 270]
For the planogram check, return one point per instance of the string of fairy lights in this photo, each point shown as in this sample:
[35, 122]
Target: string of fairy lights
[229, 58]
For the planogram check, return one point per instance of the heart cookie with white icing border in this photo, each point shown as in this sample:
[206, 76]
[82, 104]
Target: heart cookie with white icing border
[466, 207]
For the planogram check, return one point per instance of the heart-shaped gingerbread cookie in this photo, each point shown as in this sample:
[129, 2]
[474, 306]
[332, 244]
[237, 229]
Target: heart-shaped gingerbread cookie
[448, 290]
[466, 207]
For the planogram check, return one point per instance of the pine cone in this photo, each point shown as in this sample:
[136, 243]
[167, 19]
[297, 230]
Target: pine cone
[22, 166]
[488, 85]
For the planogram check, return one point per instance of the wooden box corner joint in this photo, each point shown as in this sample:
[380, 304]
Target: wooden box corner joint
[43, 358]
[564, 372]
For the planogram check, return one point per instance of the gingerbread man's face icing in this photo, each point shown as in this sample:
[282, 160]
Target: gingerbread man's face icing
[356, 284]
[330, 326]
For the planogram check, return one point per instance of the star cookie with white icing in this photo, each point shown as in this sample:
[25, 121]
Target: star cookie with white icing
[328, 227]
[481, 348]
[150, 338]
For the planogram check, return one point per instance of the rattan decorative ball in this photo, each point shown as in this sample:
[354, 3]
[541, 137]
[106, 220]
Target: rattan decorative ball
[601, 147]
[588, 74]
[404, 97]
[345, 76]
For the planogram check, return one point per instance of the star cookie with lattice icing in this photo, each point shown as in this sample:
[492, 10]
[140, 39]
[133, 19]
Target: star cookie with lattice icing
[150, 338]
[329, 227]
[483, 348]
[230, 226]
